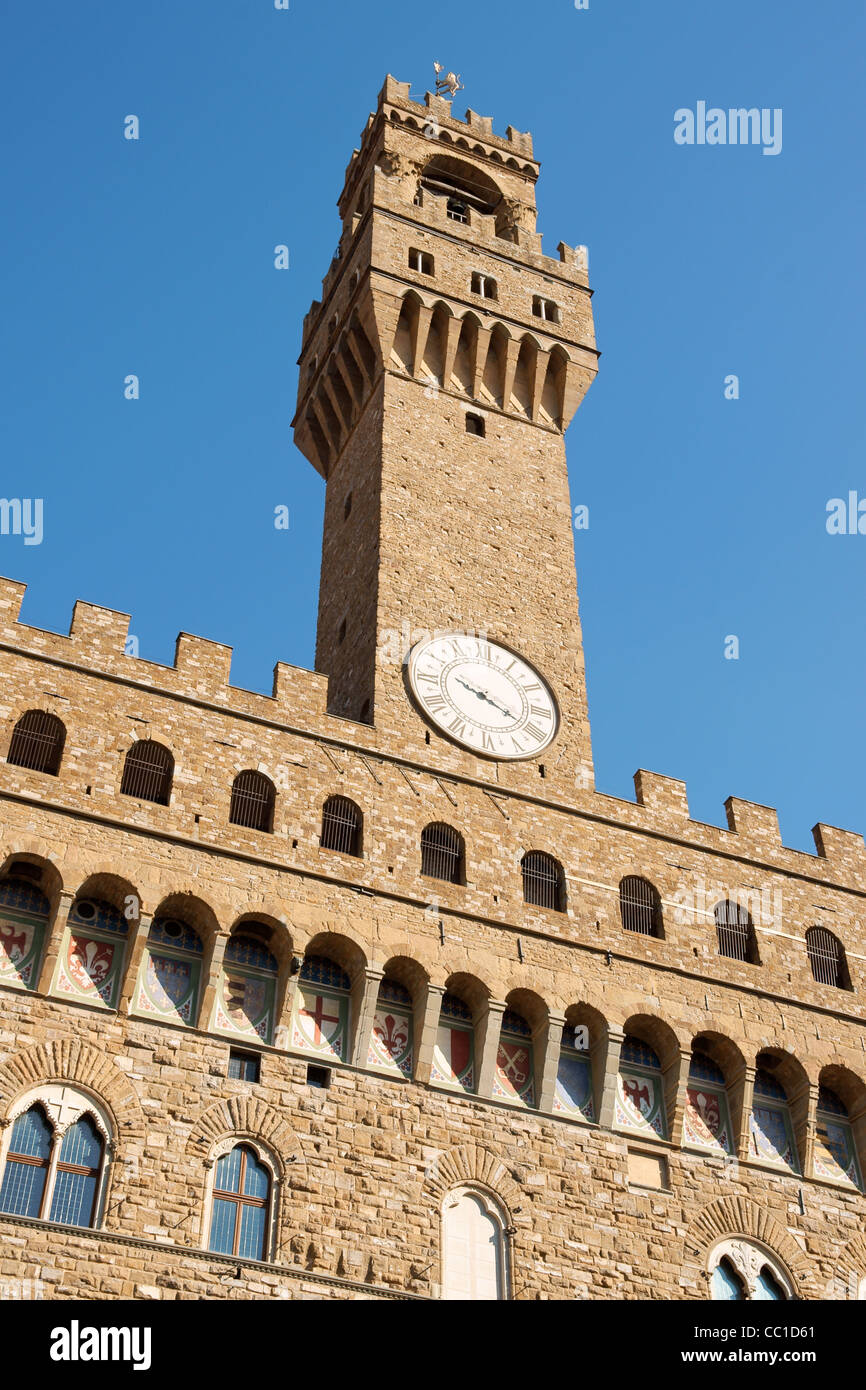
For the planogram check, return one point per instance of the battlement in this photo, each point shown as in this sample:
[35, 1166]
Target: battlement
[98, 638]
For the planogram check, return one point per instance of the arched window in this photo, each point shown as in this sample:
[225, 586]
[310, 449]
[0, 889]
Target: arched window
[640, 906]
[341, 825]
[252, 803]
[24, 912]
[26, 1171]
[170, 977]
[54, 1162]
[147, 772]
[241, 1205]
[391, 1035]
[513, 1078]
[321, 1012]
[474, 1248]
[707, 1116]
[771, 1137]
[92, 957]
[246, 1002]
[835, 1154]
[37, 742]
[639, 1089]
[742, 1271]
[573, 1093]
[442, 852]
[543, 881]
[454, 1052]
[77, 1174]
[735, 932]
[827, 958]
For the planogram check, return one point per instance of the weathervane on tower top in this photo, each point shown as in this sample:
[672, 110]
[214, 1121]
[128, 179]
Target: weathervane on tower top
[449, 83]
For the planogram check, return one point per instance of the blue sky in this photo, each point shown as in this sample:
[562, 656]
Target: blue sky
[707, 516]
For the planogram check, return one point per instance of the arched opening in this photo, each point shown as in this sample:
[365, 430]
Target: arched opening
[240, 1210]
[771, 1131]
[321, 1019]
[24, 916]
[442, 852]
[252, 801]
[246, 1000]
[454, 1063]
[37, 742]
[474, 1248]
[462, 372]
[543, 881]
[640, 906]
[169, 981]
[341, 826]
[735, 932]
[827, 958]
[92, 955]
[462, 183]
[147, 772]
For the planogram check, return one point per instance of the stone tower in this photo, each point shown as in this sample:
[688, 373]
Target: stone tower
[438, 374]
[360, 990]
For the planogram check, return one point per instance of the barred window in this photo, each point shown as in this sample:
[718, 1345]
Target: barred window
[341, 825]
[252, 803]
[241, 1202]
[442, 852]
[37, 742]
[543, 881]
[735, 932]
[147, 772]
[827, 958]
[640, 906]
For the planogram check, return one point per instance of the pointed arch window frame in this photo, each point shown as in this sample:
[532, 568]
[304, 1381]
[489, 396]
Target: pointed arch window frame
[63, 1105]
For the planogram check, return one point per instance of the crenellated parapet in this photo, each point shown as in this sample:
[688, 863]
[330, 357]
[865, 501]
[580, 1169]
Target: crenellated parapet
[96, 646]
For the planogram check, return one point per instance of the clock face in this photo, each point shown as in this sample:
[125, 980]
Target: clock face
[483, 696]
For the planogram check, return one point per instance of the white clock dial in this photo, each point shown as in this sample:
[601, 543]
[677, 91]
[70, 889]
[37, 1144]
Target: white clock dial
[483, 696]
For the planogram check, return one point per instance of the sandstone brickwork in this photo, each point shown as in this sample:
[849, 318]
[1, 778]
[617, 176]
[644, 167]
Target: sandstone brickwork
[452, 530]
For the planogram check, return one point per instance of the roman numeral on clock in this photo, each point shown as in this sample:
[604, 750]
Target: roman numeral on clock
[533, 732]
[435, 702]
[540, 710]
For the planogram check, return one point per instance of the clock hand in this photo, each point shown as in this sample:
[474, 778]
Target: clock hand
[482, 695]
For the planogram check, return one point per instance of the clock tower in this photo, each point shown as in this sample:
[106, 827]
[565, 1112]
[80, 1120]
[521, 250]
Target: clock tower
[438, 374]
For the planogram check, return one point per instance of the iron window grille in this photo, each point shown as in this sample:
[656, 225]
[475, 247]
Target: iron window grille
[252, 803]
[341, 826]
[640, 906]
[442, 853]
[37, 742]
[735, 932]
[543, 881]
[147, 772]
[827, 958]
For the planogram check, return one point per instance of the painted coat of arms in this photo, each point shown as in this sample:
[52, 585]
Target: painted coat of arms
[391, 1042]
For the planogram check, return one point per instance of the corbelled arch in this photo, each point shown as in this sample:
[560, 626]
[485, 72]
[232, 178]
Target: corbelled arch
[75, 1063]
